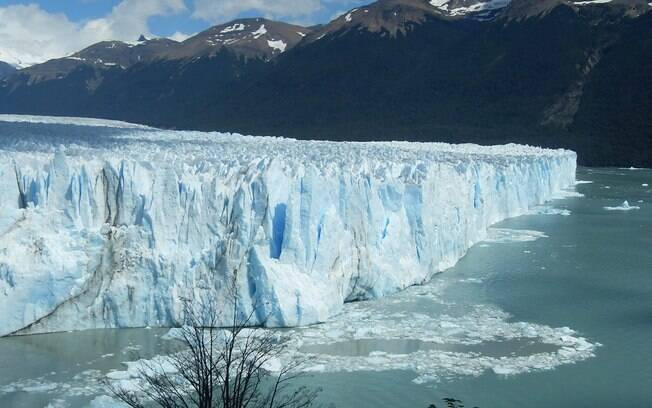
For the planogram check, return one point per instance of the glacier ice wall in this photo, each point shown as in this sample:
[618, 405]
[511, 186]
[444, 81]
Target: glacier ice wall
[107, 225]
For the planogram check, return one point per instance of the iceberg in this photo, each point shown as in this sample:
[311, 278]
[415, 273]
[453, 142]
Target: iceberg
[104, 224]
[623, 207]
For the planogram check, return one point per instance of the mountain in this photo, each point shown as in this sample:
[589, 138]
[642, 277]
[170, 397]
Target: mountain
[524, 9]
[252, 38]
[392, 17]
[101, 56]
[6, 69]
[556, 73]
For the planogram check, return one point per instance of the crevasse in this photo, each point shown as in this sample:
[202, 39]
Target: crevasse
[104, 224]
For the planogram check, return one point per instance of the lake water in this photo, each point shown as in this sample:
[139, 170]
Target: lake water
[554, 310]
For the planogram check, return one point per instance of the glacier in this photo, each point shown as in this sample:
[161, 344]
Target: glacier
[105, 224]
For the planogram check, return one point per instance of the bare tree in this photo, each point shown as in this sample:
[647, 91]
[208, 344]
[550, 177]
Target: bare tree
[216, 367]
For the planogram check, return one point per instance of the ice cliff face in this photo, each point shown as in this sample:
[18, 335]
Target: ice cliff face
[107, 225]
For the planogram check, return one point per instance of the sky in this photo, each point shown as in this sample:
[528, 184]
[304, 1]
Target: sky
[33, 31]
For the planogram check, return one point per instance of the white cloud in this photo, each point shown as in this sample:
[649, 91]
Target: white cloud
[130, 18]
[30, 35]
[179, 36]
[305, 11]
[224, 10]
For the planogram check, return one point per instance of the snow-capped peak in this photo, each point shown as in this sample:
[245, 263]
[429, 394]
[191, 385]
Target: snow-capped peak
[251, 37]
[479, 8]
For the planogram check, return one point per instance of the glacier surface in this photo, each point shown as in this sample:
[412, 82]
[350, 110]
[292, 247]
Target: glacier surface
[103, 224]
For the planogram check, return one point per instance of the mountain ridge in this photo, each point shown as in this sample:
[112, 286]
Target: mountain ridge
[250, 38]
[6, 69]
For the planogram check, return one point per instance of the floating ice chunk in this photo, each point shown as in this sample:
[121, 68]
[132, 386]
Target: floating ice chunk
[273, 365]
[472, 280]
[546, 210]
[434, 346]
[174, 333]
[57, 403]
[564, 194]
[502, 370]
[624, 207]
[446, 346]
[506, 235]
[131, 379]
[40, 388]
[119, 375]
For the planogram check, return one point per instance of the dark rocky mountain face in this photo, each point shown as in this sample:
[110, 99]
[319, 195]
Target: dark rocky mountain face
[6, 69]
[385, 17]
[600, 10]
[100, 57]
[392, 17]
[545, 72]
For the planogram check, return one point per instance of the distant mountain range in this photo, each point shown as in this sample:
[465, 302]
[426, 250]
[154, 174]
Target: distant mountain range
[575, 74]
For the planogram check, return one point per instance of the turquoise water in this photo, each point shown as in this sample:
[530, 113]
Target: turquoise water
[64, 369]
[597, 280]
[592, 272]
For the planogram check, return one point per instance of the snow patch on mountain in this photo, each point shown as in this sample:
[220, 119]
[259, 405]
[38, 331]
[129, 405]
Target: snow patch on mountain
[232, 28]
[103, 225]
[349, 16]
[440, 3]
[260, 32]
[585, 3]
[277, 45]
[463, 8]
[480, 7]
